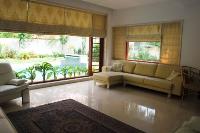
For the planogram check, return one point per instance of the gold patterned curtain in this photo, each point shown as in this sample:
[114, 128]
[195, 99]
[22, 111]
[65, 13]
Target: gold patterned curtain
[99, 25]
[45, 14]
[144, 33]
[119, 43]
[41, 17]
[78, 22]
[171, 43]
[13, 10]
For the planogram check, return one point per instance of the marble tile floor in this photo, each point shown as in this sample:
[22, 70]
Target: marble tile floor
[144, 109]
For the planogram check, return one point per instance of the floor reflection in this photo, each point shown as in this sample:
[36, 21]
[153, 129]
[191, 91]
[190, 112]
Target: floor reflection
[141, 112]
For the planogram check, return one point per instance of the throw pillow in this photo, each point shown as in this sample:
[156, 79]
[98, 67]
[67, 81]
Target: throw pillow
[117, 67]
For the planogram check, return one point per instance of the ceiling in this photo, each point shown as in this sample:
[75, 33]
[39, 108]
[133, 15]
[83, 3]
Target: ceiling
[122, 4]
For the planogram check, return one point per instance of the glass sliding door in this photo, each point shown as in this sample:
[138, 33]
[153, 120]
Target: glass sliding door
[96, 54]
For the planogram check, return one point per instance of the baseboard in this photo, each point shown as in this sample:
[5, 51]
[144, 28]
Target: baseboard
[56, 83]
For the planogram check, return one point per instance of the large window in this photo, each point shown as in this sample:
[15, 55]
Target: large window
[48, 57]
[144, 51]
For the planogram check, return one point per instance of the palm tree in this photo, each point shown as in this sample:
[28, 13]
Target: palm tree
[63, 40]
[22, 38]
[28, 73]
[64, 70]
[84, 70]
[44, 68]
[70, 71]
[54, 71]
[83, 51]
[31, 73]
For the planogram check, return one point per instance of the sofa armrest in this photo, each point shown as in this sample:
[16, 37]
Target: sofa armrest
[17, 82]
[173, 75]
[106, 68]
[177, 85]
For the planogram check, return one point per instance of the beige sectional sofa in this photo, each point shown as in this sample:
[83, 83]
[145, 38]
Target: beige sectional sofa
[159, 77]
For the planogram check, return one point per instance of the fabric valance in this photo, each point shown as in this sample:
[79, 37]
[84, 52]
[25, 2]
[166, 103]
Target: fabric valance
[13, 10]
[35, 17]
[144, 33]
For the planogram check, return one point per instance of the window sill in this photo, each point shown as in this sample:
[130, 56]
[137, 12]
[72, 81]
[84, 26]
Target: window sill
[144, 61]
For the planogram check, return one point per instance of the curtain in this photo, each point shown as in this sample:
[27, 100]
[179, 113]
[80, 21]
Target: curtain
[99, 25]
[171, 43]
[36, 17]
[169, 34]
[144, 33]
[45, 14]
[119, 43]
[78, 22]
[13, 10]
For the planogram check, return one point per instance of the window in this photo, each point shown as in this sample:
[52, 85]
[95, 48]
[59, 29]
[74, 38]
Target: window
[144, 51]
[43, 58]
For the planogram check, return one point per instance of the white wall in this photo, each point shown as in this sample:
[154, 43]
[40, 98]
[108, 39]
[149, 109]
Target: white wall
[187, 10]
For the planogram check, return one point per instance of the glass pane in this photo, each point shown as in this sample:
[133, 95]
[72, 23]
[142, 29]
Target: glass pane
[96, 40]
[147, 51]
[61, 56]
[95, 54]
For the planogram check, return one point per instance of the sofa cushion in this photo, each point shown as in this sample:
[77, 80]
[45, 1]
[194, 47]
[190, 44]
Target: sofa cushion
[185, 130]
[108, 76]
[11, 89]
[17, 82]
[147, 69]
[128, 67]
[163, 70]
[156, 82]
[134, 78]
[193, 123]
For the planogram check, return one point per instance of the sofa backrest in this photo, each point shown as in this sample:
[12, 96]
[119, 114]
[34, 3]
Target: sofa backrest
[163, 70]
[147, 69]
[128, 67]
[6, 73]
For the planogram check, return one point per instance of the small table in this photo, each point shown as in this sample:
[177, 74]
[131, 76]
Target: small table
[5, 125]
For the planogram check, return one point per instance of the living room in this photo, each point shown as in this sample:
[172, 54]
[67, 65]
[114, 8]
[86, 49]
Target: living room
[144, 48]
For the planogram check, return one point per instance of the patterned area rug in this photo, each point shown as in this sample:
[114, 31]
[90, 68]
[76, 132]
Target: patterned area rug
[66, 116]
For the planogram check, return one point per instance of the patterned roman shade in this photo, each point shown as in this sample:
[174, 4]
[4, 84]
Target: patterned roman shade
[169, 34]
[78, 22]
[41, 17]
[119, 43]
[144, 33]
[99, 25]
[45, 14]
[13, 10]
[171, 43]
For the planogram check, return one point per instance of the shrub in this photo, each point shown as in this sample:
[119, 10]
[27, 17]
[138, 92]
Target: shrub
[57, 54]
[24, 56]
[9, 53]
